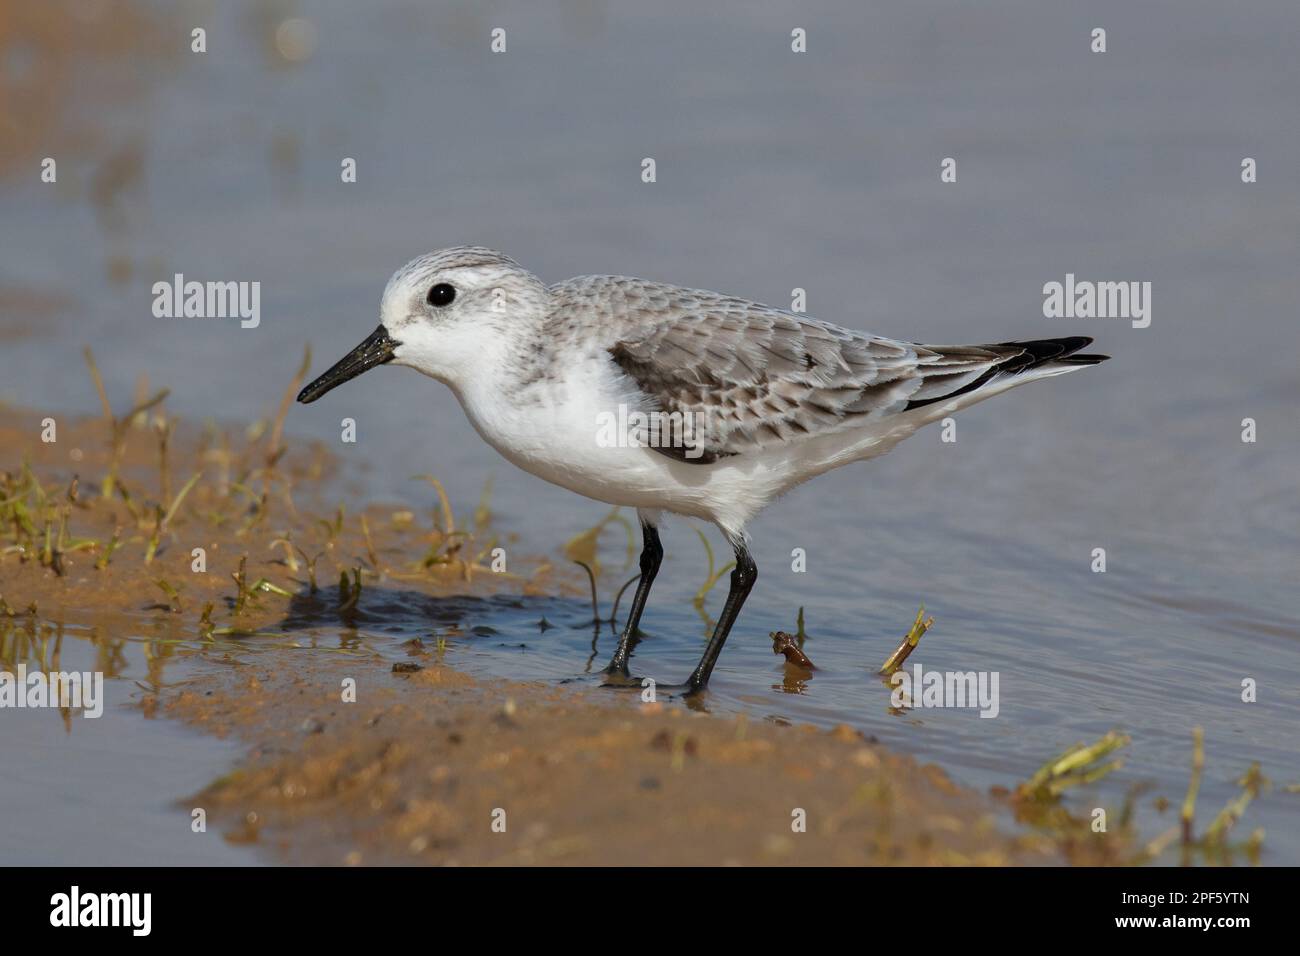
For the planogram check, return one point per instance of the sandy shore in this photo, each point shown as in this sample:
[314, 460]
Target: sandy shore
[434, 767]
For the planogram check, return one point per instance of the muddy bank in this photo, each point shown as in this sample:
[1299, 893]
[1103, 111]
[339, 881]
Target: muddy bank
[433, 767]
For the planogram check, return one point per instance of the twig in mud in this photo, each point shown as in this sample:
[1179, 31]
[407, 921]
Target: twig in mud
[349, 592]
[448, 516]
[264, 584]
[61, 544]
[117, 426]
[613, 615]
[173, 594]
[1161, 843]
[164, 430]
[370, 545]
[14, 510]
[139, 421]
[225, 458]
[1076, 766]
[290, 559]
[99, 386]
[591, 576]
[131, 506]
[453, 542]
[1252, 783]
[1213, 844]
[583, 546]
[333, 528]
[483, 512]
[258, 511]
[241, 594]
[248, 592]
[311, 567]
[713, 576]
[47, 550]
[783, 643]
[275, 448]
[107, 556]
[206, 626]
[164, 518]
[896, 659]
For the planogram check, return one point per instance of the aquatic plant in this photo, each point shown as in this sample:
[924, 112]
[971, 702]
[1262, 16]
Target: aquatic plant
[910, 640]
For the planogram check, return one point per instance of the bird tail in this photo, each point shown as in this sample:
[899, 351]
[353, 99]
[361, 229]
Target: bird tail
[1039, 352]
[1014, 363]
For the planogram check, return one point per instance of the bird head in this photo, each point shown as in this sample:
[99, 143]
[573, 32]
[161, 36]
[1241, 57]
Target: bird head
[445, 314]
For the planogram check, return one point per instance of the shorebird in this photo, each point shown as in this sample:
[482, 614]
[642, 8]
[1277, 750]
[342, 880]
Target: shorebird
[757, 399]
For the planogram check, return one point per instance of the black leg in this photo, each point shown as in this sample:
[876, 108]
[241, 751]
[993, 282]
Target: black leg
[652, 554]
[742, 582]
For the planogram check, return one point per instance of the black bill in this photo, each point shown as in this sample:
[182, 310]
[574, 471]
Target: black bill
[375, 350]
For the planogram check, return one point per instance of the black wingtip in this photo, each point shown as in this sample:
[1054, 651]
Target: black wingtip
[1037, 351]
[1083, 359]
[1028, 355]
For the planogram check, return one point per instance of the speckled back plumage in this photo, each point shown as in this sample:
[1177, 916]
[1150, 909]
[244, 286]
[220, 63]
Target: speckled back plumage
[752, 375]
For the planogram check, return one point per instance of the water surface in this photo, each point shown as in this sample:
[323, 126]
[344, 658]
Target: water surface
[775, 171]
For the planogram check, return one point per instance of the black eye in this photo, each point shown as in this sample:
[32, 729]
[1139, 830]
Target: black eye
[441, 294]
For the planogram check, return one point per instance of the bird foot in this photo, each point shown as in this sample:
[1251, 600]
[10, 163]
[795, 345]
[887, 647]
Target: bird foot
[619, 677]
[683, 690]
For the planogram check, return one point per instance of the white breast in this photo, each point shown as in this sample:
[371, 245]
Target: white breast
[555, 430]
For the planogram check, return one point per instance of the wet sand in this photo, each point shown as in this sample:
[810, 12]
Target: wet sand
[424, 765]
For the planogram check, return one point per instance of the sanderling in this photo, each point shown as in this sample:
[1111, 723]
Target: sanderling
[770, 398]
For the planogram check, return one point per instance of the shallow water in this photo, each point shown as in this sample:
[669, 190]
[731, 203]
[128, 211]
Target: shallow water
[774, 171]
[106, 790]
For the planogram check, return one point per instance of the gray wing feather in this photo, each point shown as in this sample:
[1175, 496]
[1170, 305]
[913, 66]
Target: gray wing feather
[751, 376]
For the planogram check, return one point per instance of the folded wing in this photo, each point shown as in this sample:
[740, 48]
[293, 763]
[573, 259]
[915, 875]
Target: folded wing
[751, 376]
